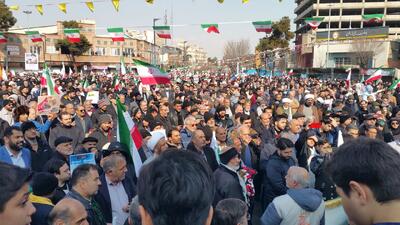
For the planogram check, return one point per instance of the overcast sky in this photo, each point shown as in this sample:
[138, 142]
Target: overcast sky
[189, 13]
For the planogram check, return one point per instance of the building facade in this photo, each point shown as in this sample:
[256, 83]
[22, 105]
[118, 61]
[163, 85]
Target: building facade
[372, 45]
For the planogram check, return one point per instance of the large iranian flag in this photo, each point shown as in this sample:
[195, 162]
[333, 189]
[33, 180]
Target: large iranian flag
[375, 76]
[150, 74]
[314, 22]
[72, 34]
[372, 18]
[394, 85]
[117, 33]
[263, 26]
[3, 39]
[34, 36]
[46, 81]
[210, 28]
[129, 135]
[163, 31]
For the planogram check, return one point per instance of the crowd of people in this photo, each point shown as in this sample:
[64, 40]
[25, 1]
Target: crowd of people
[212, 151]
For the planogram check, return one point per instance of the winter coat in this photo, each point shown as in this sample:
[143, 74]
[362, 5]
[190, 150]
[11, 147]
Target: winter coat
[227, 185]
[74, 132]
[209, 155]
[322, 181]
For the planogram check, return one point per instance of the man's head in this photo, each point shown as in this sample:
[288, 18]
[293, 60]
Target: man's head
[326, 125]
[244, 134]
[366, 174]
[89, 143]
[176, 188]
[64, 146]
[80, 110]
[174, 137]
[371, 131]
[284, 146]
[245, 120]
[280, 122]
[353, 131]
[85, 180]
[220, 134]
[230, 211]
[164, 110]
[199, 139]
[157, 143]
[8, 105]
[190, 123]
[105, 122]
[13, 138]
[15, 207]
[295, 127]
[231, 158]
[265, 119]
[66, 119]
[69, 108]
[297, 177]
[115, 168]
[59, 169]
[29, 130]
[44, 184]
[68, 211]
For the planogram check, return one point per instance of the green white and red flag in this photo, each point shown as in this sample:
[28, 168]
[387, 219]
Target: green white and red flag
[3, 38]
[117, 33]
[375, 76]
[72, 35]
[263, 26]
[372, 18]
[395, 84]
[210, 28]
[129, 135]
[163, 31]
[34, 36]
[314, 22]
[116, 83]
[150, 74]
[46, 81]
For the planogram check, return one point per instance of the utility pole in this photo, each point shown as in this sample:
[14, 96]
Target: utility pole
[329, 36]
[154, 59]
[184, 53]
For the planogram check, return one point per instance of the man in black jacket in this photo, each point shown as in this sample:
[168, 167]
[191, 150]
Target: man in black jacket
[198, 144]
[116, 190]
[227, 179]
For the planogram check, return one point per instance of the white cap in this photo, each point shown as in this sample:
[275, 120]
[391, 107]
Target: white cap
[286, 100]
[309, 96]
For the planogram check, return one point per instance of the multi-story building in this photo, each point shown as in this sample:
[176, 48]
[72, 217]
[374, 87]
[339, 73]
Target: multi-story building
[104, 53]
[193, 54]
[350, 38]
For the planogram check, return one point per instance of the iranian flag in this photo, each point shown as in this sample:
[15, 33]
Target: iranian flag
[314, 22]
[163, 31]
[129, 135]
[73, 35]
[372, 18]
[291, 73]
[210, 28]
[348, 80]
[3, 39]
[117, 33]
[394, 85]
[34, 36]
[263, 26]
[375, 76]
[116, 83]
[150, 74]
[122, 64]
[46, 81]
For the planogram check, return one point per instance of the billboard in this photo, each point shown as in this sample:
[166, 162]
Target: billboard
[352, 34]
[31, 61]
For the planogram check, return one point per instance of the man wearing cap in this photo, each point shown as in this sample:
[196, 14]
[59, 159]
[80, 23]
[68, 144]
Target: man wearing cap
[64, 149]
[369, 120]
[40, 150]
[350, 106]
[229, 184]
[43, 187]
[285, 108]
[89, 146]
[157, 144]
[104, 132]
[104, 107]
[68, 129]
[6, 113]
[309, 109]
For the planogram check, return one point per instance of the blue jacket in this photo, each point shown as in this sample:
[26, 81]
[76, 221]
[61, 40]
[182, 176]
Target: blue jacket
[5, 157]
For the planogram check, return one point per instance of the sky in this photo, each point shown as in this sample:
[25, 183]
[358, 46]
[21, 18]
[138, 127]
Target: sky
[187, 15]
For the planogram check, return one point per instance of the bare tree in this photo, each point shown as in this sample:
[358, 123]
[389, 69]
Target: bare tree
[236, 49]
[365, 50]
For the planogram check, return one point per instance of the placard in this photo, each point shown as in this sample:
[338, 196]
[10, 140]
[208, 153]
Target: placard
[93, 96]
[80, 159]
[48, 104]
[31, 61]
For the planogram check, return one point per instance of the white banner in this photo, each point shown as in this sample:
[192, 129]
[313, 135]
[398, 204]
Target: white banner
[31, 61]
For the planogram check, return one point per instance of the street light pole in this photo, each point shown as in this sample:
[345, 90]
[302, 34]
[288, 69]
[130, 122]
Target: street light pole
[329, 36]
[154, 42]
[27, 12]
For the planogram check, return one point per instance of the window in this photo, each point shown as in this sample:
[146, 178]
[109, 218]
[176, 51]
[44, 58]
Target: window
[342, 61]
[35, 49]
[100, 51]
[129, 52]
[51, 49]
[115, 51]
[98, 42]
[130, 43]
[105, 42]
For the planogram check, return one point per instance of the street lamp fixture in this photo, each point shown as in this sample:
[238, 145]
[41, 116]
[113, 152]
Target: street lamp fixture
[154, 58]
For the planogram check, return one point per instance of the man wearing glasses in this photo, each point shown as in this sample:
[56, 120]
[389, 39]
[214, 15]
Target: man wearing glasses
[83, 120]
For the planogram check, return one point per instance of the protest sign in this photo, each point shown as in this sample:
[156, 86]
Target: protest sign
[79, 159]
[48, 104]
[93, 96]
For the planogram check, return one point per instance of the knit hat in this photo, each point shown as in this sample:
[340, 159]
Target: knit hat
[155, 138]
[44, 184]
[115, 146]
[155, 123]
[27, 125]
[103, 102]
[89, 139]
[226, 156]
[298, 115]
[208, 116]
[345, 117]
[62, 140]
[104, 118]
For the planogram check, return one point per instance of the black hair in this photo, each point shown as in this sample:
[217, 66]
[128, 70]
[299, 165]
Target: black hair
[370, 162]
[9, 130]
[53, 166]
[284, 143]
[229, 211]
[176, 188]
[169, 132]
[12, 179]
[280, 117]
[81, 172]
[244, 117]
